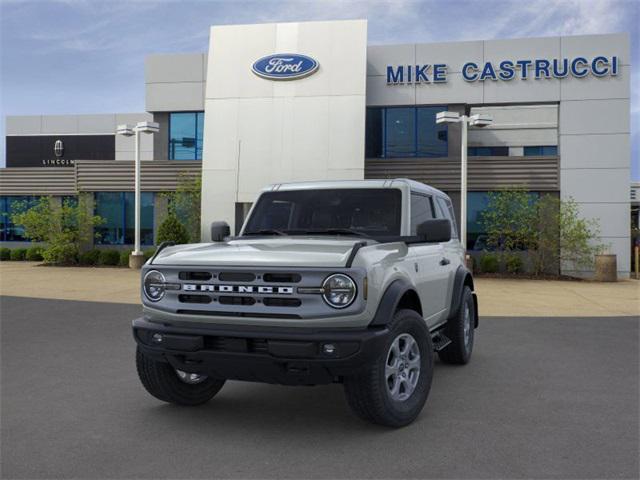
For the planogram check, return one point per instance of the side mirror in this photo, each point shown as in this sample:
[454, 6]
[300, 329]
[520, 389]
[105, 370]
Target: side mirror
[219, 230]
[435, 230]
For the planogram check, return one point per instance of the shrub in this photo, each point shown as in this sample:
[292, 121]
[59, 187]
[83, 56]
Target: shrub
[90, 257]
[5, 254]
[34, 254]
[124, 258]
[184, 203]
[149, 253]
[489, 263]
[61, 254]
[513, 263]
[171, 230]
[64, 227]
[18, 254]
[109, 257]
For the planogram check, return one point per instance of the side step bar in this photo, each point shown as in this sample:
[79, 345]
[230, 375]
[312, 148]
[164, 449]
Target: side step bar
[439, 341]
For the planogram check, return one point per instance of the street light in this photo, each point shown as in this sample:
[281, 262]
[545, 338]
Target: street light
[136, 259]
[477, 120]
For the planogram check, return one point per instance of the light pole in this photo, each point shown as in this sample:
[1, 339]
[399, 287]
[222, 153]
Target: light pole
[477, 120]
[136, 259]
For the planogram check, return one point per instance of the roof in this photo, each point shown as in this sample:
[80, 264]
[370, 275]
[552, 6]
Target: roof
[335, 184]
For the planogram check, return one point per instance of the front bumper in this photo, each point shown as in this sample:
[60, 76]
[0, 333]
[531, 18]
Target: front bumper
[270, 354]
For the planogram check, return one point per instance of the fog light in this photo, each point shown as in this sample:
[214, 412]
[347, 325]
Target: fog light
[329, 348]
[157, 338]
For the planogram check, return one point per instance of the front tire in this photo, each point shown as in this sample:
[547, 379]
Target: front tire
[460, 330]
[393, 389]
[169, 385]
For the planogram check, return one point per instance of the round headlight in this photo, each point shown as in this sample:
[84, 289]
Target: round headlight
[154, 285]
[339, 290]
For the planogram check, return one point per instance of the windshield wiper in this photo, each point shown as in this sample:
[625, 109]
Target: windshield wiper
[337, 231]
[266, 231]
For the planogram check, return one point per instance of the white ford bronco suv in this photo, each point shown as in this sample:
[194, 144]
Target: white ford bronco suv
[354, 282]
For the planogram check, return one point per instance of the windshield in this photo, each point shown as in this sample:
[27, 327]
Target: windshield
[371, 212]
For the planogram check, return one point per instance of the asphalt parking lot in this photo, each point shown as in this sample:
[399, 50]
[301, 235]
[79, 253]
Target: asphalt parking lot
[542, 398]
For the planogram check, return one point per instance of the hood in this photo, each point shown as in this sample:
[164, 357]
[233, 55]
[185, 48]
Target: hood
[271, 251]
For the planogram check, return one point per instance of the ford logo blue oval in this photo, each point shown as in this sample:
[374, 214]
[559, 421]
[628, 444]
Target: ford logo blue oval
[285, 66]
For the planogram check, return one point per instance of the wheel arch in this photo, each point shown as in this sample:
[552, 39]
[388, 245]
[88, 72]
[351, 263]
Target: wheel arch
[399, 294]
[463, 278]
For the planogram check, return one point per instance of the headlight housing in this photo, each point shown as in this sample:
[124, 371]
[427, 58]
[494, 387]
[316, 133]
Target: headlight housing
[339, 290]
[154, 285]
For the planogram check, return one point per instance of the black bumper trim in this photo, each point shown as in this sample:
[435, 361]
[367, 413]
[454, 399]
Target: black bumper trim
[267, 354]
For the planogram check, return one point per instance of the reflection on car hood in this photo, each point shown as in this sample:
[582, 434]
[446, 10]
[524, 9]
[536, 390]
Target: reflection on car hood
[292, 251]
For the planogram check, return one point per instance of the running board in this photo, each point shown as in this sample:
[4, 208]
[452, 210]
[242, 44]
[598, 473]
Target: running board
[439, 341]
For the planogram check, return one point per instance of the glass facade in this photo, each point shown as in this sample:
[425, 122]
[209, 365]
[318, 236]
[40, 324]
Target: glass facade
[405, 132]
[477, 203]
[488, 151]
[9, 232]
[117, 209]
[541, 151]
[185, 135]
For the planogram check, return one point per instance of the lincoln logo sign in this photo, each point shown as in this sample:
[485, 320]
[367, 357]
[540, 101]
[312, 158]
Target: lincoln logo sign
[285, 66]
[58, 148]
[505, 70]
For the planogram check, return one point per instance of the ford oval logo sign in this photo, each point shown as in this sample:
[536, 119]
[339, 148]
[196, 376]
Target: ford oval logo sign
[285, 66]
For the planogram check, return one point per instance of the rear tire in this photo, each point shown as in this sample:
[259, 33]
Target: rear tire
[460, 330]
[163, 382]
[381, 393]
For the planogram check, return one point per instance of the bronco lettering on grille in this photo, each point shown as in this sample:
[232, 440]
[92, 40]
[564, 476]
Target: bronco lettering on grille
[192, 287]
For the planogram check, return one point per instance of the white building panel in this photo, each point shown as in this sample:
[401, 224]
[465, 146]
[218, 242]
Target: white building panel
[594, 117]
[380, 56]
[260, 131]
[595, 151]
[595, 88]
[175, 97]
[59, 124]
[596, 185]
[453, 54]
[454, 90]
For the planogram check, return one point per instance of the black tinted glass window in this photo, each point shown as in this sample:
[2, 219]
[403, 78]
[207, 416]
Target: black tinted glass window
[421, 210]
[373, 212]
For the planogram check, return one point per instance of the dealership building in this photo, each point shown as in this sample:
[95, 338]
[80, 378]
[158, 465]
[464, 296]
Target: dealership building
[272, 103]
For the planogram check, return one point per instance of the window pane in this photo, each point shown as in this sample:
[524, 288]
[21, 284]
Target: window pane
[477, 203]
[421, 210]
[109, 207]
[182, 136]
[551, 150]
[400, 132]
[199, 134]
[373, 133]
[10, 206]
[432, 137]
[146, 218]
[447, 209]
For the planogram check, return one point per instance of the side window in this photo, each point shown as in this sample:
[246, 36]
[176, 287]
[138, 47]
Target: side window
[421, 210]
[446, 210]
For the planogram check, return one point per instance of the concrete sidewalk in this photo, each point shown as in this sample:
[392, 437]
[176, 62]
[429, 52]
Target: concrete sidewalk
[497, 297]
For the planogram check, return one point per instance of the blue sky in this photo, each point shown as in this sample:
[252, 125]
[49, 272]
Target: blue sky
[84, 56]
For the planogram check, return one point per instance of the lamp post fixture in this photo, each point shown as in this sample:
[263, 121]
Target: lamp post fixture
[477, 120]
[136, 258]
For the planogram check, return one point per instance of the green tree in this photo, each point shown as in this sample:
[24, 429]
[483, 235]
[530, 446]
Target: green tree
[171, 230]
[509, 219]
[65, 227]
[184, 203]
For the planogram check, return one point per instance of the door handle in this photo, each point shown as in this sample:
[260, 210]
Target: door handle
[445, 261]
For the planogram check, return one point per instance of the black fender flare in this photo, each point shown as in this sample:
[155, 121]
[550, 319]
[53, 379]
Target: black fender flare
[462, 277]
[389, 302]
